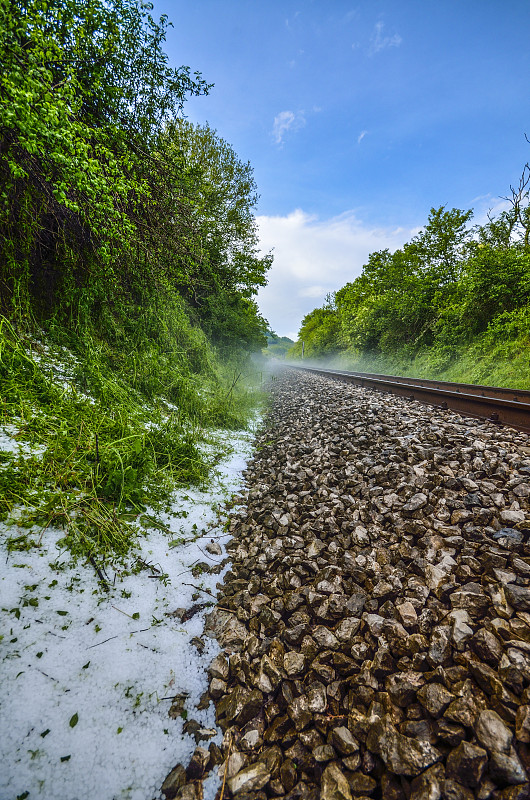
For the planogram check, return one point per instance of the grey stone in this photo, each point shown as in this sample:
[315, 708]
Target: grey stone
[512, 516]
[466, 764]
[429, 785]
[250, 779]
[518, 596]
[435, 698]
[226, 628]
[198, 762]
[288, 774]
[190, 791]
[347, 628]
[325, 638]
[452, 790]
[174, 781]
[334, 784]
[416, 502]
[401, 755]
[471, 598]
[317, 698]
[440, 646]
[323, 753]
[509, 534]
[507, 769]
[492, 732]
[219, 667]
[402, 687]
[361, 784]
[407, 613]
[343, 741]
[486, 646]
[234, 764]
[294, 663]
[522, 724]
[239, 707]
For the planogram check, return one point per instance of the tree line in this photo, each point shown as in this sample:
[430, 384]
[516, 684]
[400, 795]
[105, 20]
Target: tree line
[114, 207]
[452, 286]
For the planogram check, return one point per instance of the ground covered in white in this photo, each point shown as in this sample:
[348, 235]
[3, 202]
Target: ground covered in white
[88, 676]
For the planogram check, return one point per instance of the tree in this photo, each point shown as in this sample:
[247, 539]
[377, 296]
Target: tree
[319, 332]
[204, 229]
[84, 86]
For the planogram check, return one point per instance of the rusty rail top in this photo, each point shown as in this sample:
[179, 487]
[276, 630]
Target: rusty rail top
[502, 406]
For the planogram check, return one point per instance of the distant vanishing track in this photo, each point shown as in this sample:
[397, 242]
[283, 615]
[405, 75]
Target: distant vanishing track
[503, 406]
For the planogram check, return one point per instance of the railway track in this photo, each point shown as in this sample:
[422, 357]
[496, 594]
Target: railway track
[502, 406]
[374, 622]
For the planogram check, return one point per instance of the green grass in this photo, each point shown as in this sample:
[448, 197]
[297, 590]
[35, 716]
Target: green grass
[491, 360]
[99, 444]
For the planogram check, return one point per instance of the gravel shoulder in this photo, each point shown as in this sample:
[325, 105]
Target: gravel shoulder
[375, 621]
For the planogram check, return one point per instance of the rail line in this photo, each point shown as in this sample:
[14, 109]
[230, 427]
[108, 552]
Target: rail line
[502, 406]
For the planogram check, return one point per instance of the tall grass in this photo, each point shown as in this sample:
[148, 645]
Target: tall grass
[107, 431]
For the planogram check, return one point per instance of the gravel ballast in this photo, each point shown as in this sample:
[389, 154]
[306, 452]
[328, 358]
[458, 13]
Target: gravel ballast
[375, 620]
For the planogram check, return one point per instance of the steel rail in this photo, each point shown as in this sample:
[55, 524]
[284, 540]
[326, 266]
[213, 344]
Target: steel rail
[521, 395]
[497, 406]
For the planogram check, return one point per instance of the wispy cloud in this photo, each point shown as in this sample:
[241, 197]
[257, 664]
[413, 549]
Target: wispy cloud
[350, 16]
[485, 206]
[292, 19]
[378, 41]
[313, 291]
[286, 121]
[313, 257]
[361, 136]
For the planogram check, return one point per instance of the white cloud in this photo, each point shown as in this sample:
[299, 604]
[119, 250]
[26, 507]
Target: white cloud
[313, 257]
[379, 42]
[286, 121]
[361, 136]
[313, 291]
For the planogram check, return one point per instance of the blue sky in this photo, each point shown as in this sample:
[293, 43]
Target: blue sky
[358, 117]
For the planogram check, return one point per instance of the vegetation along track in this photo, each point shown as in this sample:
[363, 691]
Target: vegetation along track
[375, 619]
[501, 405]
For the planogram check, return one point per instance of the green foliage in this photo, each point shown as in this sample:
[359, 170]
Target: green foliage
[452, 290]
[94, 461]
[277, 346]
[99, 458]
[108, 200]
[210, 247]
[319, 332]
[82, 84]
[128, 240]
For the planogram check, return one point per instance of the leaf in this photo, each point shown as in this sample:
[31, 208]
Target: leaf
[62, 613]
[136, 615]
[85, 666]
[74, 720]
[66, 758]
[45, 733]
